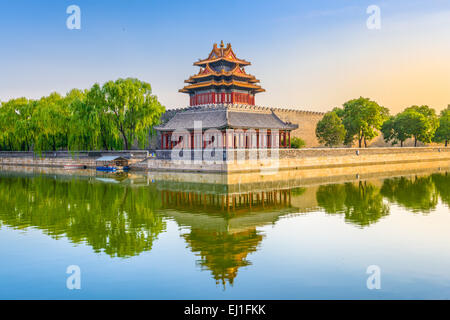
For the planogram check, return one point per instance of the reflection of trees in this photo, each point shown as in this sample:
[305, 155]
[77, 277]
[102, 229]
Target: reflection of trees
[361, 203]
[223, 253]
[442, 184]
[118, 220]
[416, 194]
[331, 198]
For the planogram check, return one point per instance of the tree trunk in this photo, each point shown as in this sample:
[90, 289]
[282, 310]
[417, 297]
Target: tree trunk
[415, 142]
[360, 142]
[446, 143]
[125, 140]
[365, 142]
[401, 144]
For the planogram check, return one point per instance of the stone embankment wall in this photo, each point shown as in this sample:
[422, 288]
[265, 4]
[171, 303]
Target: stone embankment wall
[283, 159]
[297, 159]
[62, 158]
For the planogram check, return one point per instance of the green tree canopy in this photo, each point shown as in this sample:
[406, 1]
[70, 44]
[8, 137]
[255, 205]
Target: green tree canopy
[421, 123]
[330, 131]
[362, 119]
[133, 107]
[15, 121]
[104, 117]
[50, 121]
[396, 129]
[443, 131]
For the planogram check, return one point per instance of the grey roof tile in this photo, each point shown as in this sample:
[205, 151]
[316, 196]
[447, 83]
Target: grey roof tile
[222, 116]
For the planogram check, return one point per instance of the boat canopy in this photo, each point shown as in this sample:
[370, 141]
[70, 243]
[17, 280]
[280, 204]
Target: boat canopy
[111, 158]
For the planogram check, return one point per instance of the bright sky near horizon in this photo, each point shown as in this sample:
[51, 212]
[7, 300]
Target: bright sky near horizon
[311, 55]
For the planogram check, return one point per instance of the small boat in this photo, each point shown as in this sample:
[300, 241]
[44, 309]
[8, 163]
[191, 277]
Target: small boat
[106, 169]
[112, 164]
[74, 166]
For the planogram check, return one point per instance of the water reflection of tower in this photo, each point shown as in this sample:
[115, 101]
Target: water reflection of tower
[223, 226]
[223, 252]
[237, 203]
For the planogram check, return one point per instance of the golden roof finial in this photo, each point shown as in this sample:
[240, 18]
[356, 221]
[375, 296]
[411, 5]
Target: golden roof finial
[221, 44]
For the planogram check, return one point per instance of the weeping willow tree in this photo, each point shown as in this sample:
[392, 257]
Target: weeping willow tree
[133, 108]
[51, 123]
[17, 132]
[114, 116]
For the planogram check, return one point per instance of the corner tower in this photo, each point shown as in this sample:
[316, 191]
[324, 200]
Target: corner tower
[222, 79]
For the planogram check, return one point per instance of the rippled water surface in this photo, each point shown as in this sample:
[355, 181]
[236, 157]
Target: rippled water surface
[136, 237]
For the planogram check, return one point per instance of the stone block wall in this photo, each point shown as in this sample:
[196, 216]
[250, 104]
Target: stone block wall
[59, 159]
[306, 121]
[301, 159]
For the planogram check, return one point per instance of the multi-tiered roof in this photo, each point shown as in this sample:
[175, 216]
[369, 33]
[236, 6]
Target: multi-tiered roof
[222, 79]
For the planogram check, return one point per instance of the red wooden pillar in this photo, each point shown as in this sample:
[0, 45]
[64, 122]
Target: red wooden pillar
[289, 135]
[203, 140]
[279, 139]
[162, 141]
[224, 141]
[245, 139]
[257, 139]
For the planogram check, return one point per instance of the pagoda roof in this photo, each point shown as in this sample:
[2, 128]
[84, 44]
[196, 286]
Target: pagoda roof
[222, 54]
[222, 83]
[208, 71]
[225, 116]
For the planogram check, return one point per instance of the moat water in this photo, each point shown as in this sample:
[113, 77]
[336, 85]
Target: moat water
[136, 237]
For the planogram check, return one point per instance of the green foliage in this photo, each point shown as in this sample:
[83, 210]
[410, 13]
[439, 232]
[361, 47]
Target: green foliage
[395, 129]
[422, 123]
[330, 130]
[297, 143]
[443, 131]
[134, 109]
[362, 119]
[15, 122]
[417, 122]
[108, 117]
